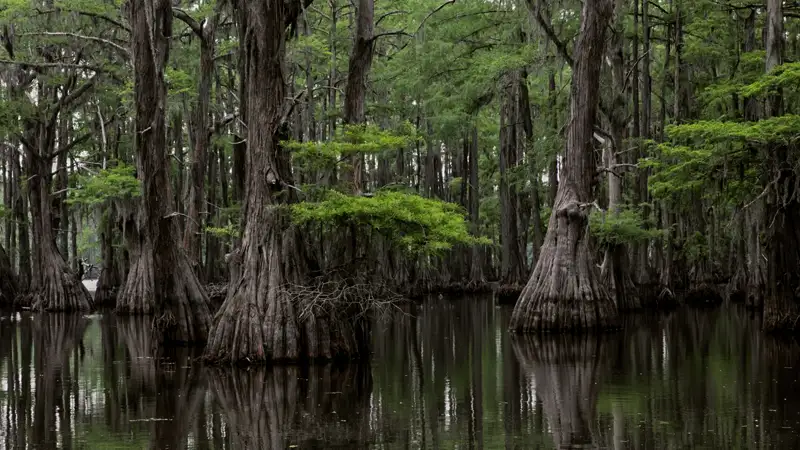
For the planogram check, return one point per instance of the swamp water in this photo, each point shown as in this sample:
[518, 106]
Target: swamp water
[445, 376]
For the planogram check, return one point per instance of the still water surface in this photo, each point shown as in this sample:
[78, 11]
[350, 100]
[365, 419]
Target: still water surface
[445, 376]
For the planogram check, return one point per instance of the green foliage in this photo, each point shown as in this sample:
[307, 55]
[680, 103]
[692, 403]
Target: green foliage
[775, 130]
[116, 183]
[228, 231]
[785, 75]
[623, 228]
[415, 224]
[695, 248]
[350, 139]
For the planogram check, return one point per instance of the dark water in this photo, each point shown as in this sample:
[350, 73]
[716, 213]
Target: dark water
[448, 376]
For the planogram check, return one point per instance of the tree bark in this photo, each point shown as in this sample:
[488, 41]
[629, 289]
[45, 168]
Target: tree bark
[512, 263]
[782, 303]
[161, 269]
[9, 286]
[55, 287]
[615, 268]
[552, 170]
[192, 234]
[355, 92]
[110, 278]
[564, 291]
[476, 265]
[259, 320]
[21, 218]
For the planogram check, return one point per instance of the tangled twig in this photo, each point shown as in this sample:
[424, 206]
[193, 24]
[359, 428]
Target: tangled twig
[326, 296]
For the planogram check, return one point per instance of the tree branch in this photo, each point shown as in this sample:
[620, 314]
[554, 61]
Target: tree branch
[214, 129]
[449, 2]
[390, 33]
[549, 31]
[45, 65]
[390, 13]
[76, 141]
[184, 17]
[124, 51]
[90, 14]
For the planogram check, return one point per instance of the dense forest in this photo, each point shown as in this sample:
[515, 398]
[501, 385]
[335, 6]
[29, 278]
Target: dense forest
[262, 175]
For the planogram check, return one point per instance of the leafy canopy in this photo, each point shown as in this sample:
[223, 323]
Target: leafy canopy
[416, 224]
[117, 183]
[624, 227]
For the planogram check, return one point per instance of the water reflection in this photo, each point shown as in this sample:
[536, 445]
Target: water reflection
[293, 407]
[564, 371]
[444, 375]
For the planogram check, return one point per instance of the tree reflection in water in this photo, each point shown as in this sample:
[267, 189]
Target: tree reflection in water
[444, 375]
[56, 337]
[321, 406]
[565, 370]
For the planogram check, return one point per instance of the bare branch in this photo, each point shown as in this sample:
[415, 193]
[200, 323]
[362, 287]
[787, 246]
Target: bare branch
[59, 65]
[188, 20]
[535, 8]
[390, 33]
[124, 51]
[89, 14]
[388, 14]
[82, 138]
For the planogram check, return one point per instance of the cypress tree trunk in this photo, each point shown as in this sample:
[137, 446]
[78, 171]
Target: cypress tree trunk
[564, 291]
[160, 268]
[9, 286]
[259, 320]
[615, 268]
[192, 234]
[355, 92]
[552, 169]
[476, 276]
[526, 137]
[55, 287]
[109, 280]
[512, 263]
[782, 303]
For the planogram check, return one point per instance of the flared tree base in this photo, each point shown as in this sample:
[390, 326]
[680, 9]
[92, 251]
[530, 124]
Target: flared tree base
[181, 308]
[564, 293]
[105, 295]
[136, 296]
[264, 318]
[704, 294]
[60, 289]
[618, 281]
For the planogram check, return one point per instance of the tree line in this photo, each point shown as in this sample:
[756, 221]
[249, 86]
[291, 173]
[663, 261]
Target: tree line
[318, 160]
